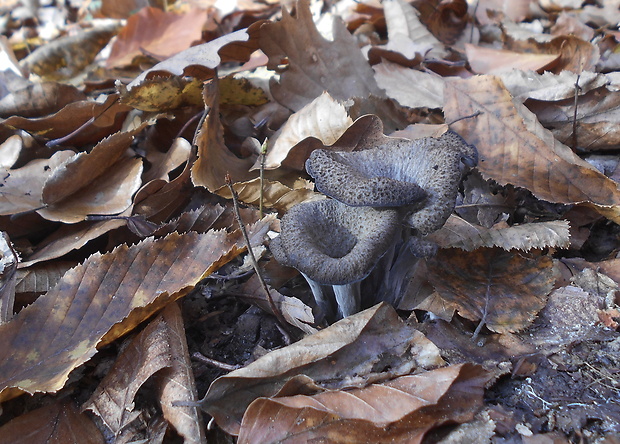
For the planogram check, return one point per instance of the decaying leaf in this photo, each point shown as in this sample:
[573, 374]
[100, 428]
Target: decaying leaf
[458, 233]
[400, 410]
[146, 354]
[39, 99]
[8, 277]
[59, 422]
[156, 32]
[410, 87]
[333, 358]
[164, 94]
[503, 290]
[514, 147]
[315, 64]
[105, 296]
[215, 160]
[496, 61]
[176, 383]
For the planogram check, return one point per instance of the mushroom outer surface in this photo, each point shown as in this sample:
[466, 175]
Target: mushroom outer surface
[332, 243]
[423, 174]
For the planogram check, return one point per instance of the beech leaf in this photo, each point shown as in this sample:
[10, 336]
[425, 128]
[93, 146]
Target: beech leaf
[106, 296]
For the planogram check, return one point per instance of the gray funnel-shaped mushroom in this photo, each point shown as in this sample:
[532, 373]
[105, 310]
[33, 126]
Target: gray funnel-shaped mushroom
[420, 176]
[336, 245]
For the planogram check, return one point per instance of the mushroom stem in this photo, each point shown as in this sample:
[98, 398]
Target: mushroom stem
[319, 296]
[348, 298]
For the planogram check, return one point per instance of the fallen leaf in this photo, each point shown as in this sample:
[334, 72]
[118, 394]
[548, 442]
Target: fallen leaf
[333, 358]
[39, 99]
[200, 60]
[59, 422]
[176, 383]
[324, 118]
[496, 61]
[8, 277]
[401, 410]
[515, 148]
[164, 94]
[146, 354]
[314, 64]
[154, 31]
[106, 296]
[458, 233]
[503, 290]
[215, 161]
[410, 87]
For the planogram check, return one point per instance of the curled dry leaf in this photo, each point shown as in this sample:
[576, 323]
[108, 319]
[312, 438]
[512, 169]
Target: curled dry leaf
[315, 64]
[54, 423]
[324, 118]
[515, 148]
[39, 99]
[156, 32]
[215, 160]
[99, 301]
[401, 410]
[458, 233]
[113, 400]
[176, 383]
[347, 353]
[503, 290]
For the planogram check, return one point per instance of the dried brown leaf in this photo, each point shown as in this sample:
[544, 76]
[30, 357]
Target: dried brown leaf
[42, 278]
[146, 354]
[504, 290]
[157, 32]
[324, 118]
[401, 410]
[348, 353]
[39, 99]
[215, 160]
[9, 151]
[515, 148]
[22, 188]
[67, 56]
[176, 384]
[315, 64]
[8, 277]
[164, 94]
[99, 301]
[59, 422]
[200, 60]
[458, 233]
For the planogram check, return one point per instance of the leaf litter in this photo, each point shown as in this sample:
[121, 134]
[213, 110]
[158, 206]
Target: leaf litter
[126, 283]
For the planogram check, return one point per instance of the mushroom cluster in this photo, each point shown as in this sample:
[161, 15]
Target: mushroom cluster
[375, 193]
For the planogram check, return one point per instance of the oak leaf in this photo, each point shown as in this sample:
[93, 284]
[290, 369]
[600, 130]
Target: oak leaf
[503, 290]
[99, 301]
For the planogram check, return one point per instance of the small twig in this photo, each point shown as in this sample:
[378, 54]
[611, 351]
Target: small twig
[202, 358]
[272, 304]
[263, 154]
[577, 88]
[471, 116]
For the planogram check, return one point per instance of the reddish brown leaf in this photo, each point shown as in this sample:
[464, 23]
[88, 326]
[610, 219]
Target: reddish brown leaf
[402, 410]
[59, 423]
[503, 290]
[105, 296]
[153, 31]
[349, 352]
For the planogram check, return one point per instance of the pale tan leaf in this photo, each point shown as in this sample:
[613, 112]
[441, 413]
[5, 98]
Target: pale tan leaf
[515, 148]
[458, 233]
[323, 118]
[494, 61]
[99, 301]
[347, 353]
[59, 422]
[410, 87]
[176, 384]
[113, 400]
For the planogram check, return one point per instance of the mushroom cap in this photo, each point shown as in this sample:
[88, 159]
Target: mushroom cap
[332, 243]
[423, 174]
